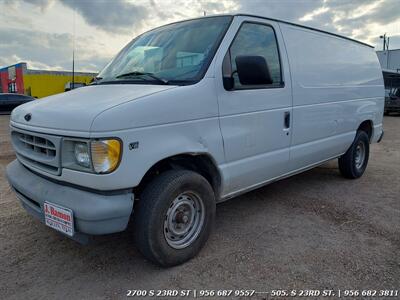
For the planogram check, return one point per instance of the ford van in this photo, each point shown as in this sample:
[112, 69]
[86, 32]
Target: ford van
[188, 115]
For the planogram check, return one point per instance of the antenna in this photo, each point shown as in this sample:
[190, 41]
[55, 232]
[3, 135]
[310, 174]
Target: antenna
[73, 48]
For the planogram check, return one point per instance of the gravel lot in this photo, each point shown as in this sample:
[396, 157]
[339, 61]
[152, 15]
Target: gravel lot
[315, 230]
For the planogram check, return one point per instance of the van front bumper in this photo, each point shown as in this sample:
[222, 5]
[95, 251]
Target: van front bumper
[94, 213]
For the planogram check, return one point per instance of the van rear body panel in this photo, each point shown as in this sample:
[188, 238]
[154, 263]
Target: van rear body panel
[337, 84]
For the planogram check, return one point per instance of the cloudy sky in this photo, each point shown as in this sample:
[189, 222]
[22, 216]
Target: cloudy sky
[40, 32]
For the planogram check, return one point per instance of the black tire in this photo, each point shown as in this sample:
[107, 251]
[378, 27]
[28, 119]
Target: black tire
[349, 166]
[151, 210]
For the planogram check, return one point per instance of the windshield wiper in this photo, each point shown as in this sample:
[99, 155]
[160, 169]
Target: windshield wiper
[137, 73]
[95, 80]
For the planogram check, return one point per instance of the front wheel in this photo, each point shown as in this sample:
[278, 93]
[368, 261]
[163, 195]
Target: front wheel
[174, 217]
[353, 163]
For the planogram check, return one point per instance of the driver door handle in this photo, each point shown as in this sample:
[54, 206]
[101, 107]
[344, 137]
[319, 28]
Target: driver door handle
[287, 119]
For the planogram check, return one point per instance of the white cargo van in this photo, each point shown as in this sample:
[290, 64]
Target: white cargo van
[191, 114]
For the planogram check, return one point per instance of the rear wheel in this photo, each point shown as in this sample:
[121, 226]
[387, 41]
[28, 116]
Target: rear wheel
[174, 217]
[353, 163]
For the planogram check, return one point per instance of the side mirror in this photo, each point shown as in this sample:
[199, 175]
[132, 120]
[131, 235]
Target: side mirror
[253, 70]
[228, 81]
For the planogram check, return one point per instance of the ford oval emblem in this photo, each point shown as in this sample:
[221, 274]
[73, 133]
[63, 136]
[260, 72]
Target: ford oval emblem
[28, 117]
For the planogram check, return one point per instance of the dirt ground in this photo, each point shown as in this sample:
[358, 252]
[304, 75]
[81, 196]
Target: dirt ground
[315, 230]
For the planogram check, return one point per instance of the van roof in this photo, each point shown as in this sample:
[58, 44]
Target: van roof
[307, 27]
[281, 21]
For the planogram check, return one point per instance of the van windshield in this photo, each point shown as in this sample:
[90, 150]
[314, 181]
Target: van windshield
[173, 54]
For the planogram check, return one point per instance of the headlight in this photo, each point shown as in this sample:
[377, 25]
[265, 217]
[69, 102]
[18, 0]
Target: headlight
[82, 156]
[97, 156]
[105, 155]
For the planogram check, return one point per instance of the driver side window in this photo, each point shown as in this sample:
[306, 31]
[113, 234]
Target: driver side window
[256, 40]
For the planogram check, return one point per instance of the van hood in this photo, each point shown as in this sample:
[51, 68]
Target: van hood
[75, 110]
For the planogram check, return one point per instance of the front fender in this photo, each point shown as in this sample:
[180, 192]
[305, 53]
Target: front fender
[157, 144]
[154, 144]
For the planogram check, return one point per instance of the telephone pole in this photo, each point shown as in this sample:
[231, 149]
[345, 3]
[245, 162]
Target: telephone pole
[73, 51]
[385, 42]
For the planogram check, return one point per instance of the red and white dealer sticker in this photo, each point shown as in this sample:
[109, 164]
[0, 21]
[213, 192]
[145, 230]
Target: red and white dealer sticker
[59, 218]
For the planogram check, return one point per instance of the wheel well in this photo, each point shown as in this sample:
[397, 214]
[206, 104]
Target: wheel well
[367, 127]
[200, 163]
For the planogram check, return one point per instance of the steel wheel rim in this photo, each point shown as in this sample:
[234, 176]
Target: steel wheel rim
[184, 220]
[360, 155]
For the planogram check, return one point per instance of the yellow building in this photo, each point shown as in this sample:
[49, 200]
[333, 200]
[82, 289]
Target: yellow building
[39, 83]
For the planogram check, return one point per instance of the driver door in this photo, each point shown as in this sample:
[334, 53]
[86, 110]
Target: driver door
[255, 120]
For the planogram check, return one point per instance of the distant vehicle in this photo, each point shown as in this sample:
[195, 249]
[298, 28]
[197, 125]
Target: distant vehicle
[68, 85]
[191, 114]
[9, 101]
[392, 100]
[392, 91]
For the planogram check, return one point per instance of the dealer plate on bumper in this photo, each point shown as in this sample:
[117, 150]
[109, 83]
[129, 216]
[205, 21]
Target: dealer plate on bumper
[59, 218]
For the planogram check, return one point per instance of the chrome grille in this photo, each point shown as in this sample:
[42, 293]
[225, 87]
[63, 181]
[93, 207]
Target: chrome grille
[37, 151]
[37, 144]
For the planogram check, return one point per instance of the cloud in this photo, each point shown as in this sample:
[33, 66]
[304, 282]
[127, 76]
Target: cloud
[42, 4]
[279, 9]
[162, 12]
[104, 26]
[5, 61]
[112, 16]
[356, 19]
[381, 12]
[310, 16]
[48, 50]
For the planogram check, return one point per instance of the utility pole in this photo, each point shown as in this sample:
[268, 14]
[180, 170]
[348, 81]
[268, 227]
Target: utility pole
[387, 54]
[73, 70]
[384, 41]
[73, 50]
[386, 48]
